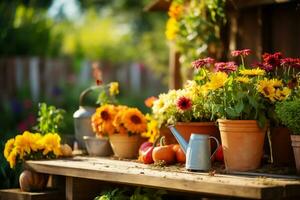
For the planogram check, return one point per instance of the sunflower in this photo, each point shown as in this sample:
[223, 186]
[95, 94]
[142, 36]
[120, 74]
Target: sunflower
[242, 79]
[276, 83]
[265, 87]
[252, 72]
[134, 121]
[9, 145]
[103, 118]
[217, 80]
[282, 94]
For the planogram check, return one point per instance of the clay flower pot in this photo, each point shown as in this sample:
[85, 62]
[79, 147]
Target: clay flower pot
[31, 181]
[125, 146]
[282, 150]
[209, 128]
[296, 147]
[242, 142]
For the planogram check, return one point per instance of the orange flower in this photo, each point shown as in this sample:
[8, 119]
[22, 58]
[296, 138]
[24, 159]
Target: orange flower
[175, 10]
[149, 101]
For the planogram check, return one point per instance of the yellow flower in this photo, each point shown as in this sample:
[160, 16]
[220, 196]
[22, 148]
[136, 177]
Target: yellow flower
[282, 94]
[114, 88]
[242, 79]
[134, 121]
[51, 143]
[252, 72]
[175, 10]
[217, 80]
[9, 147]
[265, 87]
[171, 29]
[276, 83]
[12, 158]
[27, 142]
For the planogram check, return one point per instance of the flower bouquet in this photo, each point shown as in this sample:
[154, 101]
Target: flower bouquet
[122, 125]
[34, 146]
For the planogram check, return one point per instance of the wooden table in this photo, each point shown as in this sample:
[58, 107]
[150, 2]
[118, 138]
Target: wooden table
[84, 177]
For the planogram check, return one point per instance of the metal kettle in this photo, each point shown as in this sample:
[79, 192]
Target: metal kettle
[198, 152]
[82, 118]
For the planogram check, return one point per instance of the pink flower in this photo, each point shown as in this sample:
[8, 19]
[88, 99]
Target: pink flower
[203, 62]
[244, 52]
[184, 103]
[226, 67]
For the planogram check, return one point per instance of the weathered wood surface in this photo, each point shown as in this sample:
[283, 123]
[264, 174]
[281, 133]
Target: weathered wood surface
[171, 178]
[17, 194]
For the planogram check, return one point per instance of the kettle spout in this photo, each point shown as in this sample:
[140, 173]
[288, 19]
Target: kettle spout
[179, 138]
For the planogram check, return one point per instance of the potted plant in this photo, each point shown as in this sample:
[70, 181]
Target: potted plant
[33, 146]
[238, 97]
[288, 113]
[122, 125]
[279, 67]
[185, 108]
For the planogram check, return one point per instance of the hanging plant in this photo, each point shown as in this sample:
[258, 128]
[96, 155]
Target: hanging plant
[194, 27]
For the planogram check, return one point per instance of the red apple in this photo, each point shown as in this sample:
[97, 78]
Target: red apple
[219, 154]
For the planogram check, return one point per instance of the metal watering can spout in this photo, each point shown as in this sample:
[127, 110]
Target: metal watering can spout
[179, 138]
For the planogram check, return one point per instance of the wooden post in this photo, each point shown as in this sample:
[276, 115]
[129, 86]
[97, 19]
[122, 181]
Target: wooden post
[175, 79]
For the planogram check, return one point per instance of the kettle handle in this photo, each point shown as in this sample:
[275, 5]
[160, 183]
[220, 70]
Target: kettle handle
[86, 91]
[218, 144]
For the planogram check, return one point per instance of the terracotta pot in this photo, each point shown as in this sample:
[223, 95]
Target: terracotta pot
[242, 142]
[169, 138]
[187, 128]
[125, 146]
[282, 150]
[31, 181]
[296, 147]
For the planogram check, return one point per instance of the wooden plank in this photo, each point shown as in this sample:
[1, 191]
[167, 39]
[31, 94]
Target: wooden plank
[170, 178]
[238, 4]
[14, 194]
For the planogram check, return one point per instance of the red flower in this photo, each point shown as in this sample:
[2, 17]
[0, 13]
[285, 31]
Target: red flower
[184, 103]
[272, 59]
[203, 62]
[290, 62]
[226, 67]
[244, 52]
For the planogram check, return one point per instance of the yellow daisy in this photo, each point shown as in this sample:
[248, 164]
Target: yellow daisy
[217, 80]
[242, 79]
[134, 121]
[252, 72]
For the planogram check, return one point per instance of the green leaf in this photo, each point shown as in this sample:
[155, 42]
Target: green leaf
[239, 107]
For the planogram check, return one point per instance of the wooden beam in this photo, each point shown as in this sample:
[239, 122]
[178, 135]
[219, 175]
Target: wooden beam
[237, 4]
[158, 5]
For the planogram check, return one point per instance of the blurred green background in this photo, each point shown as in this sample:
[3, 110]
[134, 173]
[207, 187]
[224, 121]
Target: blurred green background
[51, 50]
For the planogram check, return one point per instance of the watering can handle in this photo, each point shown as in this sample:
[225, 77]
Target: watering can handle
[218, 144]
[86, 91]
